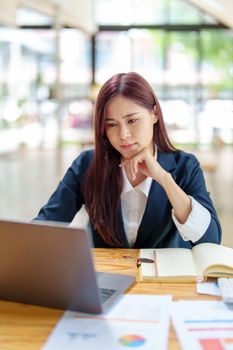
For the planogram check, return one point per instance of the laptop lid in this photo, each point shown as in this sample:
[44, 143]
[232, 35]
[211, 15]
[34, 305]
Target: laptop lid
[50, 264]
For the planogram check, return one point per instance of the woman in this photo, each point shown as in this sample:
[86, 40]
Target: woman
[138, 190]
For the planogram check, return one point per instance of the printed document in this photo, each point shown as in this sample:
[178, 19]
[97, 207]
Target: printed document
[203, 325]
[135, 321]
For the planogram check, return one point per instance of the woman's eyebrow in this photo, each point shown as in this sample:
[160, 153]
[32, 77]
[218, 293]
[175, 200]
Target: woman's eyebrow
[125, 116]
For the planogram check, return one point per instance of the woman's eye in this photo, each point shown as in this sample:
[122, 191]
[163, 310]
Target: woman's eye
[110, 125]
[132, 121]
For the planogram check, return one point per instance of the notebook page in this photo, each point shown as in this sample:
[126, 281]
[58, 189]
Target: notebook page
[206, 254]
[175, 262]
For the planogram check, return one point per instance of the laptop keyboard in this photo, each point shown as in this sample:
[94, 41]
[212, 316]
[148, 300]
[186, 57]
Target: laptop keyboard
[106, 293]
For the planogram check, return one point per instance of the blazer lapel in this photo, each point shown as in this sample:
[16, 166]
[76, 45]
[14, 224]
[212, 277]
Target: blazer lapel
[158, 205]
[121, 229]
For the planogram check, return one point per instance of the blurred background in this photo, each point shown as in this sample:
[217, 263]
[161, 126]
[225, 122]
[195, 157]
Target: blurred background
[55, 55]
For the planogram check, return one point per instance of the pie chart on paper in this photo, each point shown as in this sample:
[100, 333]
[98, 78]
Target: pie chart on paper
[132, 340]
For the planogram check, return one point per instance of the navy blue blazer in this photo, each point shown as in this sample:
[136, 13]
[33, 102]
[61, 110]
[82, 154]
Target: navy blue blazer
[157, 228]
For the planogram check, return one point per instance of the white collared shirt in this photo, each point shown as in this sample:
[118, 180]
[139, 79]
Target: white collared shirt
[133, 203]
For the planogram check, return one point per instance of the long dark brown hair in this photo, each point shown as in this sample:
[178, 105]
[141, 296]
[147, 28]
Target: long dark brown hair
[104, 182]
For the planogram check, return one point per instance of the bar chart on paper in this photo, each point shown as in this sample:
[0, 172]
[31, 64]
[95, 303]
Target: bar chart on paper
[203, 325]
[217, 344]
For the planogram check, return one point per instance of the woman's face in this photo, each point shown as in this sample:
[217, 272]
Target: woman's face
[129, 126]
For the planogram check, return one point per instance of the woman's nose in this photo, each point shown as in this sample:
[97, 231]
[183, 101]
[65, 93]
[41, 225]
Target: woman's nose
[124, 132]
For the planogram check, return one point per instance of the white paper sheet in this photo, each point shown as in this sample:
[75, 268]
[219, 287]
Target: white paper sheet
[210, 288]
[203, 325]
[139, 321]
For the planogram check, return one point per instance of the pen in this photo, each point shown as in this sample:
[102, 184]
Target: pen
[156, 263]
[144, 260]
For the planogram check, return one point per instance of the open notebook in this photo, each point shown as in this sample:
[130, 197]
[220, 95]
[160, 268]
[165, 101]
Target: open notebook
[181, 264]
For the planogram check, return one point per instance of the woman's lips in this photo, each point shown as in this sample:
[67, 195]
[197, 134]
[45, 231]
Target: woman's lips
[128, 146]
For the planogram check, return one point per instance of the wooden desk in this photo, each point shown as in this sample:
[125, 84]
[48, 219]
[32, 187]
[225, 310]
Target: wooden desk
[26, 327]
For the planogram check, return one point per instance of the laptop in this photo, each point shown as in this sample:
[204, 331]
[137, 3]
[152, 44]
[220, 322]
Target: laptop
[50, 264]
